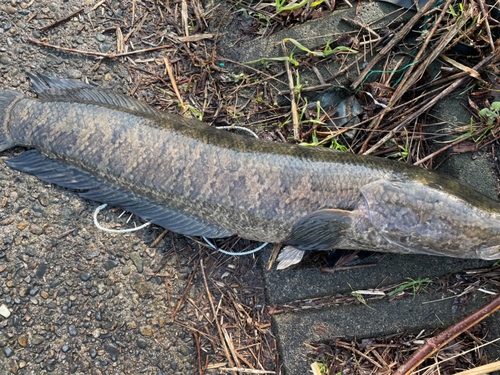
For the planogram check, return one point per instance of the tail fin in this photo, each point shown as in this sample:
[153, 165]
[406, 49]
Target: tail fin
[7, 100]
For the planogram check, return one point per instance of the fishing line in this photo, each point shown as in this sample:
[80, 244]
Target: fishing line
[231, 253]
[96, 223]
[239, 128]
[387, 71]
[207, 241]
[118, 231]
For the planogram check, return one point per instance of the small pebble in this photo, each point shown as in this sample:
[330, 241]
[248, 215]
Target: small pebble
[72, 330]
[7, 351]
[5, 60]
[74, 74]
[110, 264]
[112, 350]
[37, 339]
[23, 340]
[35, 229]
[146, 330]
[4, 311]
[105, 47]
[136, 259]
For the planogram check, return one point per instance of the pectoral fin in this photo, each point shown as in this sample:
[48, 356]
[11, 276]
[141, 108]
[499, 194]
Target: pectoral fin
[321, 230]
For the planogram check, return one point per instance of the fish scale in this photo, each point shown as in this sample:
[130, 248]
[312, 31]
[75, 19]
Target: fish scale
[191, 178]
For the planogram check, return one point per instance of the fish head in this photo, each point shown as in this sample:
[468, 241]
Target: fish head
[424, 218]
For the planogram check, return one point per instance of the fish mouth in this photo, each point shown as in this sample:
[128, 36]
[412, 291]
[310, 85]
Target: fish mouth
[489, 253]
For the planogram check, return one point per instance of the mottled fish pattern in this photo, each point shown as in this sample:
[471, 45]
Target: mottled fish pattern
[193, 179]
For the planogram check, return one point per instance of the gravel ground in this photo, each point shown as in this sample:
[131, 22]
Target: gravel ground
[74, 299]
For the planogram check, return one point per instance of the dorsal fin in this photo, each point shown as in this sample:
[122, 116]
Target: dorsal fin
[65, 90]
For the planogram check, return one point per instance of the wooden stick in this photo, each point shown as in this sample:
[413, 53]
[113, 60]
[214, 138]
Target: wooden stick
[108, 55]
[367, 28]
[356, 60]
[487, 24]
[197, 340]
[410, 79]
[449, 146]
[247, 370]
[159, 238]
[231, 347]
[403, 87]
[394, 41]
[348, 347]
[481, 370]
[493, 57]
[61, 20]
[295, 115]
[184, 295]
[434, 344]
[221, 335]
[168, 68]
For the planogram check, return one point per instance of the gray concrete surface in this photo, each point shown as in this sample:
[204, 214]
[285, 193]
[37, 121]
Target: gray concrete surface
[318, 32]
[349, 322]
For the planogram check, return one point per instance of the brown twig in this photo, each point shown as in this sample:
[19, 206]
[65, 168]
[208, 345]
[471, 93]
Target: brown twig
[430, 156]
[221, 335]
[347, 268]
[394, 41]
[348, 347]
[197, 341]
[184, 295]
[481, 370]
[367, 28]
[159, 238]
[436, 343]
[487, 24]
[231, 347]
[490, 59]
[410, 78]
[274, 256]
[358, 59]
[106, 55]
[62, 235]
[132, 93]
[61, 20]
[247, 370]
[295, 115]
[168, 69]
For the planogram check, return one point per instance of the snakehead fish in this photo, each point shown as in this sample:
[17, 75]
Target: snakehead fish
[196, 180]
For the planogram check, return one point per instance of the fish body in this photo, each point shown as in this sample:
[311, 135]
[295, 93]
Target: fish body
[193, 179]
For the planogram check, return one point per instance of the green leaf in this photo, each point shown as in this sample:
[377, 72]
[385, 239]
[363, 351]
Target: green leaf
[316, 3]
[294, 6]
[495, 106]
[452, 11]
[484, 112]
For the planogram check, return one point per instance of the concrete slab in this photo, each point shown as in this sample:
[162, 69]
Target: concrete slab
[309, 282]
[471, 168]
[349, 322]
[318, 32]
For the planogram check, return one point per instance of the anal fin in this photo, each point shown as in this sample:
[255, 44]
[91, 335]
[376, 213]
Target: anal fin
[90, 187]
